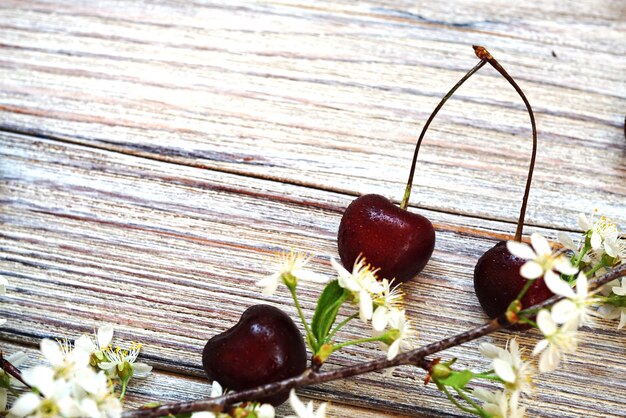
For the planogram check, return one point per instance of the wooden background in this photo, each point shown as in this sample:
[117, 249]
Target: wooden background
[154, 154]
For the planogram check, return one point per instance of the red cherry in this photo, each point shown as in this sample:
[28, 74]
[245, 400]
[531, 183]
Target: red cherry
[396, 241]
[497, 282]
[263, 347]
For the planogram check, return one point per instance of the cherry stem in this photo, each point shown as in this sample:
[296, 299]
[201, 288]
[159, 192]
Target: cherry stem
[309, 377]
[409, 184]
[482, 53]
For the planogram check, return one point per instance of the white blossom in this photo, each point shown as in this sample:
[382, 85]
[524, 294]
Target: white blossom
[289, 266]
[509, 366]
[117, 359]
[401, 332]
[389, 300]
[497, 404]
[576, 305]
[541, 260]
[68, 388]
[96, 346]
[305, 411]
[604, 236]
[557, 341]
[362, 283]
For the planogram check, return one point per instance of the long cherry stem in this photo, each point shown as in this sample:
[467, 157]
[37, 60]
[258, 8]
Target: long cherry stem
[485, 57]
[409, 183]
[309, 377]
[482, 53]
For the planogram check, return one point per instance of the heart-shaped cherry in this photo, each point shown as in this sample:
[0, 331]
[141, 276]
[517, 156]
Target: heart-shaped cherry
[391, 238]
[394, 240]
[263, 347]
[497, 278]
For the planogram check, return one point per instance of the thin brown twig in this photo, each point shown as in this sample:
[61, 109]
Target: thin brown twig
[309, 377]
[11, 370]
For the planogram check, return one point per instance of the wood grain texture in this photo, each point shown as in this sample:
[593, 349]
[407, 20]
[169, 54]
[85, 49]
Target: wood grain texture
[172, 260]
[154, 154]
[331, 95]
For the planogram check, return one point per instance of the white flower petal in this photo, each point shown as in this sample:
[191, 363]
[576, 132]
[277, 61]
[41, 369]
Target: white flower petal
[570, 327]
[564, 311]
[321, 411]
[265, 411]
[393, 350]
[366, 307]
[549, 360]
[558, 286]
[105, 335]
[85, 343]
[380, 318]
[24, 405]
[51, 351]
[269, 284]
[484, 395]
[17, 358]
[531, 270]
[540, 244]
[541, 345]
[141, 369]
[521, 250]
[596, 241]
[545, 323]
[107, 365]
[341, 271]
[204, 414]
[582, 286]
[564, 265]
[296, 404]
[567, 241]
[583, 222]
[622, 319]
[489, 350]
[216, 389]
[619, 289]
[611, 247]
[504, 370]
[309, 276]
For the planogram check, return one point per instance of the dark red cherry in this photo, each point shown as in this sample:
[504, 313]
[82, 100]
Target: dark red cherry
[263, 347]
[497, 282]
[395, 240]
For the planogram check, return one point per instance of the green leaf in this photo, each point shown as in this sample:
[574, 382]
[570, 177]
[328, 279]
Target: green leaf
[325, 314]
[457, 379]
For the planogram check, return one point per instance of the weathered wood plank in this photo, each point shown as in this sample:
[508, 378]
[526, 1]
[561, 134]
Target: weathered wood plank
[170, 254]
[332, 95]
